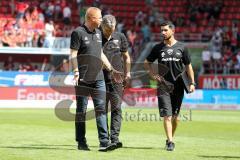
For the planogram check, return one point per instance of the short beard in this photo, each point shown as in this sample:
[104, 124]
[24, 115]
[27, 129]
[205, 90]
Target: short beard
[167, 38]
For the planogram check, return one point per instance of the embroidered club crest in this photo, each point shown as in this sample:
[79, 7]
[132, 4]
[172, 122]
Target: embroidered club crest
[115, 41]
[162, 54]
[98, 35]
[170, 51]
[179, 54]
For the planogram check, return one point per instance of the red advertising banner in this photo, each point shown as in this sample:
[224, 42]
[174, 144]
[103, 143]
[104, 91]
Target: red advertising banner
[140, 97]
[219, 81]
[34, 93]
[39, 96]
[59, 93]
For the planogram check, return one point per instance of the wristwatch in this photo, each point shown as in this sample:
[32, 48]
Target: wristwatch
[193, 83]
[111, 70]
[76, 73]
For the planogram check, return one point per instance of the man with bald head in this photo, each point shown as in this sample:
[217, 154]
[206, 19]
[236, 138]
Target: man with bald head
[87, 61]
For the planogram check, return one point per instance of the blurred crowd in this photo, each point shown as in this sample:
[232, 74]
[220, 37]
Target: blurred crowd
[28, 66]
[35, 25]
[222, 56]
[38, 23]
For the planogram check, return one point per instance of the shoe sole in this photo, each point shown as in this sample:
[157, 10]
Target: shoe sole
[170, 149]
[108, 148]
[83, 149]
[112, 147]
[119, 146]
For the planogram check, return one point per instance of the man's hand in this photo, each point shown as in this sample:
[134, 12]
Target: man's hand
[117, 76]
[75, 78]
[192, 88]
[157, 77]
[127, 78]
[163, 84]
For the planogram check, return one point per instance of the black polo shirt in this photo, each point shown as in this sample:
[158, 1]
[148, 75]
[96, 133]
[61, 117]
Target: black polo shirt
[174, 58]
[113, 49]
[89, 45]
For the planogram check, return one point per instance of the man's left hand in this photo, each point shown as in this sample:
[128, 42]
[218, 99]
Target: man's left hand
[127, 79]
[191, 88]
[117, 76]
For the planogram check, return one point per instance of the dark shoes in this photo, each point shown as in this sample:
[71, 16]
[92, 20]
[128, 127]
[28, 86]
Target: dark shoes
[110, 146]
[118, 144]
[102, 148]
[169, 146]
[83, 146]
[106, 147]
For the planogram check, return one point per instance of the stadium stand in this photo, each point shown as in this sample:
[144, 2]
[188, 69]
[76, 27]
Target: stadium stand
[197, 21]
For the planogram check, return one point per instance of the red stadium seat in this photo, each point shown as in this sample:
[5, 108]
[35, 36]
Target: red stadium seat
[163, 3]
[227, 3]
[228, 23]
[233, 3]
[180, 29]
[229, 16]
[222, 15]
[200, 29]
[204, 22]
[193, 29]
[224, 9]
[5, 3]
[161, 9]
[155, 29]
[236, 16]
[172, 3]
[177, 30]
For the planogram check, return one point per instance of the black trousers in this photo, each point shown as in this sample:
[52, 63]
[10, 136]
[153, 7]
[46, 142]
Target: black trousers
[114, 96]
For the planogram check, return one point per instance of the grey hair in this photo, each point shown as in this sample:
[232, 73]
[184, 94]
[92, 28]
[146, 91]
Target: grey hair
[109, 21]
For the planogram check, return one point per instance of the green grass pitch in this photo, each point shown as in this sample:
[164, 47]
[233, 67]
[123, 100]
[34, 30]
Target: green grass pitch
[37, 134]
